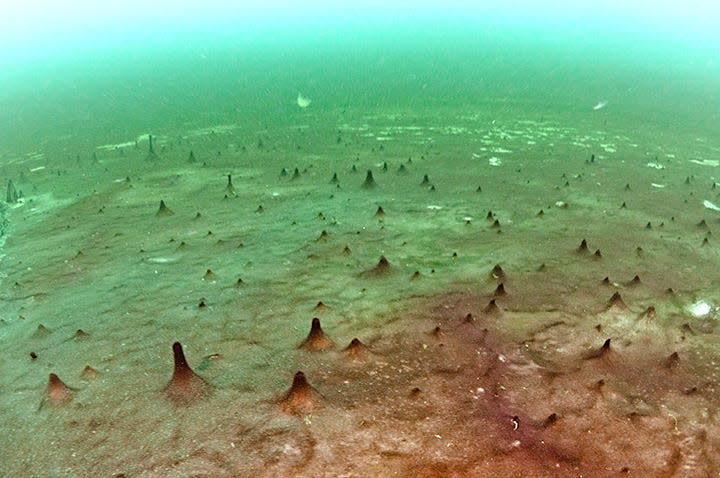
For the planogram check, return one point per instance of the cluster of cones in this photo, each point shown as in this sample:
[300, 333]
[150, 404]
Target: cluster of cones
[187, 387]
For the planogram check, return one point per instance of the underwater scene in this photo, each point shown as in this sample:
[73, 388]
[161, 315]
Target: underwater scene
[410, 239]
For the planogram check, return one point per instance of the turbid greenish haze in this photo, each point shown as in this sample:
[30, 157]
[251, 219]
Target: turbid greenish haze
[545, 196]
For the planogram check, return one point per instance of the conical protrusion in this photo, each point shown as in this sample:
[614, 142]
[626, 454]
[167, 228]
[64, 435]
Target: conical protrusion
[316, 340]
[583, 248]
[382, 266]
[380, 212]
[492, 308]
[323, 237]
[163, 210]
[11, 197]
[229, 189]
[497, 273]
[301, 398]
[649, 313]
[672, 361]
[89, 373]
[151, 156]
[334, 179]
[80, 334]
[369, 180]
[191, 157]
[499, 290]
[550, 420]
[185, 386]
[425, 180]
[599, 353]
[356, 350]
[616, 301]
[41, 331]
[57, 393]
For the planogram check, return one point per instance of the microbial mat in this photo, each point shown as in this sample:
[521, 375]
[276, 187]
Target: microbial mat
[199, 282]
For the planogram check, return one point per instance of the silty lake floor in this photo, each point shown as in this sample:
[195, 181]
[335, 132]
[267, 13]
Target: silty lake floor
[492, 341]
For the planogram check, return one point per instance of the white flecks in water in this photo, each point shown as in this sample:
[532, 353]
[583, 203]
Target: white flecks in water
[302, 101]
[600, 105]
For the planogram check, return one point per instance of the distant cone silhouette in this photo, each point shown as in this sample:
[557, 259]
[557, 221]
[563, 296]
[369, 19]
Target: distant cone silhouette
[185, 386]
[163, 210]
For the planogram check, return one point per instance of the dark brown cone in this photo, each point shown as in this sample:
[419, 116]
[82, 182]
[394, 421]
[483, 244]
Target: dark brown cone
[491, 308]
[316, 340]
[382, 267]
[356, 350]
[616, 301]
[583, 247]
[672, 361]
[57, 393]
[497, 273]
[601, 352]
[185, 387]
[301, 398]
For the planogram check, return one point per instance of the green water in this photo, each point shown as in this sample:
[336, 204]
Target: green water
[172, 80]
[538, 125]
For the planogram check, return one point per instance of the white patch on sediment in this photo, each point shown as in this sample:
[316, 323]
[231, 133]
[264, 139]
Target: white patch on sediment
[706, 162]
[700, 308]
[655, 165]
[710, 205]
[495, 161]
